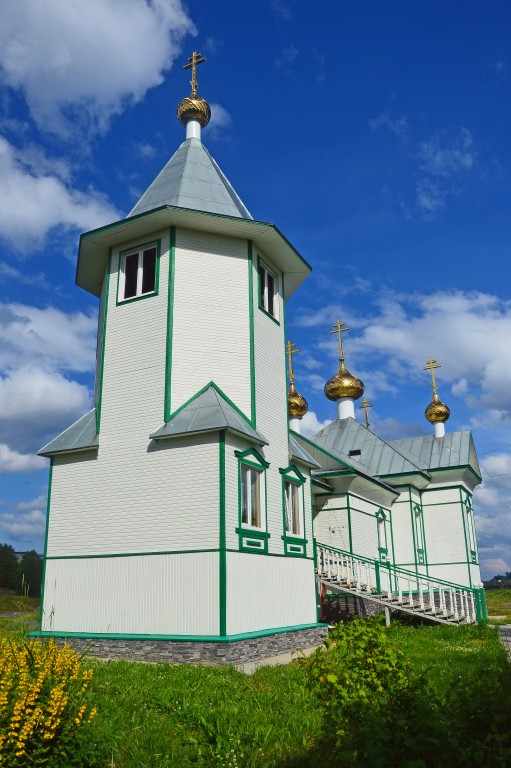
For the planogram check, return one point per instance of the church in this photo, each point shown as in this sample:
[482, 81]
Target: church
[188, 517]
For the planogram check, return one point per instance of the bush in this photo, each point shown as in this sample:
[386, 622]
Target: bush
[42, 703]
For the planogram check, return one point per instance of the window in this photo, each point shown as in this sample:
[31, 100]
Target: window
[252, 516]
[419, 534]
[293, 501]
[268, 290]
[138, 273]
[251, 496]
[471, 534]
[293, 512]
[382, 536]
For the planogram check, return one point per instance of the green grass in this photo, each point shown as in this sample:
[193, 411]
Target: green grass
[498, 602]
[158, 716]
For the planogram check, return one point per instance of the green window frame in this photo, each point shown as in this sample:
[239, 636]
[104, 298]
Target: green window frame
[252, 527]
[420, 539]
[268, 292]
[293, 512]
[471, 531]
[383, 549]
[139, 272]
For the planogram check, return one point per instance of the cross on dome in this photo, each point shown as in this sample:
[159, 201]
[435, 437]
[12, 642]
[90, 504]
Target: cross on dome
[290, 352]
[195, 59]
[430, 366]
[365, 405]
[340, 328]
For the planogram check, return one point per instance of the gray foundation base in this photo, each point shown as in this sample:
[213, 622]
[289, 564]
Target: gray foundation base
[184, 652]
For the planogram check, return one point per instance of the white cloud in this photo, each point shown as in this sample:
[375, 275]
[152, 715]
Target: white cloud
[282, 10]
[398, 126]
[287, 57]
[24, 527]
[12, 461]
[310, 424]
[220, 121]
[47, 338]
[35, 200]
[443, 165]
[85, 61]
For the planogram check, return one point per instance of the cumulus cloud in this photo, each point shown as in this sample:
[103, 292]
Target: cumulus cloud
[12, 461]
[41, 353]
[82, 62]
[492, 502]
[310, 424]
[220, 121]
[23, 528]
[36, 199]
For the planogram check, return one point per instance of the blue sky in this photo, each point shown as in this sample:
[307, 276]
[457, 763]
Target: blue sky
[374, 134]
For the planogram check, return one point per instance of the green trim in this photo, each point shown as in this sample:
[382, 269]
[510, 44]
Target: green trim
[259, 460]
[277, 322]
[467, 549]
[253, 410]
[170, 322]
[103, 336]
[411, 473]
[45, 555]
[184, 638]
[132, 554]
[137, 249]
[294, 545]
[223, 539]
[352, 471]
[253, 533]
[350, 531]
[286, 473]
[457, 466]
[319, 484]
[198, 394]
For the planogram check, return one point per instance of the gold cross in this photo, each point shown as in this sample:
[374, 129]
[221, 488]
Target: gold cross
[430, 366]
[365, 405]
[193, 60]
[340, 328]
[290, 352]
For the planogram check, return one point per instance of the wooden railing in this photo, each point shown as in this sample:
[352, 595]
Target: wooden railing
[401, 587]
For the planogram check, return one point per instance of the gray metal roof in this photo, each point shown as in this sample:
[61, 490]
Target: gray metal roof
[192, 179]
[78, 437]
[298, 452]
[455, 449]
[376, 457]
[208, 411]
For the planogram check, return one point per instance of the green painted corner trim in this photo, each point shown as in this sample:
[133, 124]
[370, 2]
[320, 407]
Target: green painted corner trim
[287, 474]
[182, 638]
[170, 320]
[223, 539]
[103, 338]
[47, 528]
[135, 249]
[253, 410]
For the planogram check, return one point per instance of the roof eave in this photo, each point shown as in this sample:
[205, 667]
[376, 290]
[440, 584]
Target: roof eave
[196, 433]
[95, 245]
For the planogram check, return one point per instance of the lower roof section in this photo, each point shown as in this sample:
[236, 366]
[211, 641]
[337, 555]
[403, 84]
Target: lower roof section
[80, 436]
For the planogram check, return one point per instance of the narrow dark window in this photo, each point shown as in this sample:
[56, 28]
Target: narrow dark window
[262, 287]
[149, 270]
[271, 294]
[130, 275]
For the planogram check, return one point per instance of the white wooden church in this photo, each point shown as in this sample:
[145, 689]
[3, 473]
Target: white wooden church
[185, 509]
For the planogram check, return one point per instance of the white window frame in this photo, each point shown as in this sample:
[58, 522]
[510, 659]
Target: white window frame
[246, 497]
[293, 491]
[123, 257]
[264, 302]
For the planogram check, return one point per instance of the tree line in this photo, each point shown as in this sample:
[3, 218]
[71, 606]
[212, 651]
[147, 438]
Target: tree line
[24, 576]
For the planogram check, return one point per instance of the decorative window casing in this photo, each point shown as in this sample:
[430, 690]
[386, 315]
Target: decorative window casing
[268, 281]
[383, 549]
[138, 272]
[470, 529]
[252, 514]
[418, 528]
[293, 503]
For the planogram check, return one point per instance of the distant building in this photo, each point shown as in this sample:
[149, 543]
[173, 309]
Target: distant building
[186, 508]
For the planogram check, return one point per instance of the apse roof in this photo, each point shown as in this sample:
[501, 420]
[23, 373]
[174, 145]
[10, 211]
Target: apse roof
[192, 179]
[454, 449]
[208, 411]
[78, 437]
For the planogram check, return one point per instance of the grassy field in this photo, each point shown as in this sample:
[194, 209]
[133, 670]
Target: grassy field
[498, 602]
[163, 716]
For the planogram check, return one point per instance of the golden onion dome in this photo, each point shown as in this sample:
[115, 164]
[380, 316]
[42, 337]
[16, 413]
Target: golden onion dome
[344, 384]
[437, 411]
[297, 405]
[193, 108]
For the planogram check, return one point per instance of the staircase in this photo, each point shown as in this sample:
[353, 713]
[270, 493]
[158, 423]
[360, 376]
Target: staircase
[394, 587]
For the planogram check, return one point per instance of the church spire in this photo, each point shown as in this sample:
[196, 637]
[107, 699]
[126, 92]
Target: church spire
[437, 412]
[193, 112]
[344, 388]
[297, 405]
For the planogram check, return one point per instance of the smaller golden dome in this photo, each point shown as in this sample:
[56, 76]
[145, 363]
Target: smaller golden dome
[437, 411]
[193, 108]
[344, 384]
[297, 405]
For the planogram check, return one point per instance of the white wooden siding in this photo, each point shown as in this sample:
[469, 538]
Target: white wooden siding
[404, 551]
[364, 532]
[131, 499]
[331, 527]
[133, 595]
[271, 403]
[211, 330]
[269, 592]
[445, 537]
[456, 573]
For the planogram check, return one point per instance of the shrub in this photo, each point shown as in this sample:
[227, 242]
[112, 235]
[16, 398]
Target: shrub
[42, 703]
